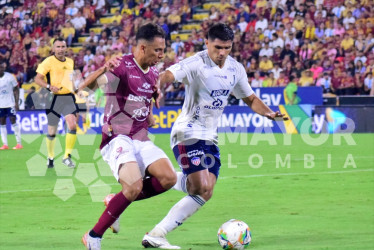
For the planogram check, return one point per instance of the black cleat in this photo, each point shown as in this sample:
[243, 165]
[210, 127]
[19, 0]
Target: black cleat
[50, 163]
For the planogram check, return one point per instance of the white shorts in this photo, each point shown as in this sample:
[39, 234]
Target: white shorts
[123, 149]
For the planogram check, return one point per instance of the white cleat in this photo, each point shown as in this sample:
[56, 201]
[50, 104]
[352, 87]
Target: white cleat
[157, 242]
[115, 227]
[91, 243]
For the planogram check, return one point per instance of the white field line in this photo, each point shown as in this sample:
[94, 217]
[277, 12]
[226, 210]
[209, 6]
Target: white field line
[221, 178]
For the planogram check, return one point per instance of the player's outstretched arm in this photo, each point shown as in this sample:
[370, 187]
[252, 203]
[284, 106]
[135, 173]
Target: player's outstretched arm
[98, 77]
[261, 108]
[164, 77]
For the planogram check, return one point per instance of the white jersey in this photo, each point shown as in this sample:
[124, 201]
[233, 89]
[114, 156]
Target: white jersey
[7, 83]
[207, 88]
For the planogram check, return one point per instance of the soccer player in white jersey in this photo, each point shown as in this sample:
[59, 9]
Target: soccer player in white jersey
[209, 77]
[9, 94]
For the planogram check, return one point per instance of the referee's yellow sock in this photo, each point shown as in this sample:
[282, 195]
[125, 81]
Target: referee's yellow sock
[51, 141]
[71, 137]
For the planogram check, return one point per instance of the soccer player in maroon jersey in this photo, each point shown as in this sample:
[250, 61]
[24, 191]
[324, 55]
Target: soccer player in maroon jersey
[140, 167]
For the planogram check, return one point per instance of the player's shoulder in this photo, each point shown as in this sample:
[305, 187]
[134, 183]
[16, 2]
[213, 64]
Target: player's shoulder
[197, 58]
[233, 64]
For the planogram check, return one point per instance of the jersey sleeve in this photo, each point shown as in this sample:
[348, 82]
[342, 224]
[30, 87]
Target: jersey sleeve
[13, 80]
[120, 70]
[242, 89]
[185, 69]
[44, 67]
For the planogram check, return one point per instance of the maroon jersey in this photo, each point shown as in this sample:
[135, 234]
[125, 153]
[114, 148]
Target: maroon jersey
[129, 96]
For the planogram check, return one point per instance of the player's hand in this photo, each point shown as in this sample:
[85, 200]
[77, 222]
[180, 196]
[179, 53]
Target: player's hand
[276, 116]
[151, 121]
[54, 89]
[113, 63]
[157, 95]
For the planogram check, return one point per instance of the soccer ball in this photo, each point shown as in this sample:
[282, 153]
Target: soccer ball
[234, 234]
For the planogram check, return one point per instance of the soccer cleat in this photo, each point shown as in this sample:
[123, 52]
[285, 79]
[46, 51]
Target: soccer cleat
[91, 243]
[115, 226]
[4, 147]
[68, 162]
[18, 146]
[157, 242]
[50, 163]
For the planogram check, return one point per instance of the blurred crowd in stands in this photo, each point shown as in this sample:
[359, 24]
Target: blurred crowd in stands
[326, 43]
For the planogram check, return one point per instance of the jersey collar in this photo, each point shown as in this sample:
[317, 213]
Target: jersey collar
[137, 64]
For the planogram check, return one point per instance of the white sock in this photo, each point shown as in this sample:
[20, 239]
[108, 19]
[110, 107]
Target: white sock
[183, 209]
[181, 184]
[4, 134]
[17, 133]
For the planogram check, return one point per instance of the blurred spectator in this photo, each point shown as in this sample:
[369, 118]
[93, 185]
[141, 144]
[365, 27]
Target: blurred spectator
[325, 82]
[71, 10]
[368, 83]
[290, 91]
[269, 80]
[68, 33]
[265, 66]
[256, 82]
[29, 103]
[177, 43]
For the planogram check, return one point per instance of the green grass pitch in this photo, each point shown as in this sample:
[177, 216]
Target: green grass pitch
[292, 195]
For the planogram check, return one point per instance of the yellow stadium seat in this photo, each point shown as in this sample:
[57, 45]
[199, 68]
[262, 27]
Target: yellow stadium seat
[27, 86]
[191, 26]
[183, 36]
[113, 10]
[82, 39]
[76, 49]
[207, 6]
[201, 16]
[97, 30]
[106, 20]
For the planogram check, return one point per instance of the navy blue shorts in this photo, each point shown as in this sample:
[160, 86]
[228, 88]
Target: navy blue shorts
[7, 112]
[196, 155]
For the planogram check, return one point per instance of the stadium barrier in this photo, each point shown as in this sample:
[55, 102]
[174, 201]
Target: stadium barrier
[338, 119]
[303, 119]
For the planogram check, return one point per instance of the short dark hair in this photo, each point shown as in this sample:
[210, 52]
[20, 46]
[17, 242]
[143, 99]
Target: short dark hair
[60, 39]
[149, 31]
[220, 31]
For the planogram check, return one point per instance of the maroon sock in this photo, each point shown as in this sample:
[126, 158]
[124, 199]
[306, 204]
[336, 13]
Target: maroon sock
[151, 187]
[115, 208]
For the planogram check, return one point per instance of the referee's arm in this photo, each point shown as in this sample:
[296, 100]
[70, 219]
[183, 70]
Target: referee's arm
[39, 79]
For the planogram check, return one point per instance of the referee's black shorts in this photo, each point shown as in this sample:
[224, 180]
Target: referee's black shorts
[60, 105]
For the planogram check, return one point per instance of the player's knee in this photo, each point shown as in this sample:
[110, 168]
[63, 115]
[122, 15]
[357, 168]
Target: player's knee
[168, 180]
[207, 195]
[203, 190]
[132, 191]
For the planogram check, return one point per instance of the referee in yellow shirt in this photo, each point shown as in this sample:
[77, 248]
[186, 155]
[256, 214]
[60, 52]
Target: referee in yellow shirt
[55, 73]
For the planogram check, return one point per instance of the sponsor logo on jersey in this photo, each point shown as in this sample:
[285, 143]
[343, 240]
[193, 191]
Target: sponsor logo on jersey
[220, 92]
[219, 76]
[195, 161]
[195, 152]
[216, 105]
[146, 85]
[138, 98]
[136, 77]
[145, 90]
[140, 114]
[129, 64]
